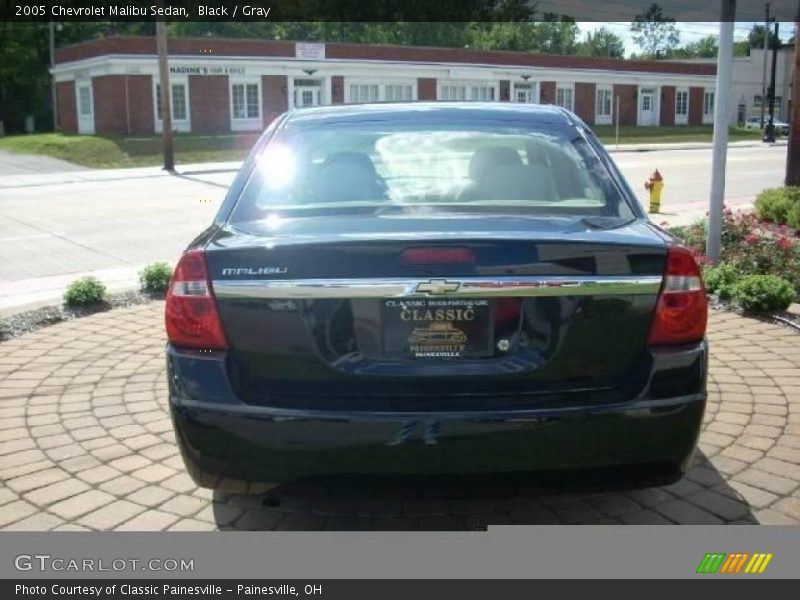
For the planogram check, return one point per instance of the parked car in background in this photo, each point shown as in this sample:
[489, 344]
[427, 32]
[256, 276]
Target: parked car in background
[781, 127]
[482, 268]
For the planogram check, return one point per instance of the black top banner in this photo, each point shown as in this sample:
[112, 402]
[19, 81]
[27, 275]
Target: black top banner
[382, 10]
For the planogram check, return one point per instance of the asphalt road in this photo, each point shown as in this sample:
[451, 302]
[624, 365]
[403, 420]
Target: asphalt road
[54, 226]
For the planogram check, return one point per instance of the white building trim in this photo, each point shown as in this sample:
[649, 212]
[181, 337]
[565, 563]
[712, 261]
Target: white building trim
[247, 123]
[652, 116]
[599, 117]
[682, 119]
[182, 125]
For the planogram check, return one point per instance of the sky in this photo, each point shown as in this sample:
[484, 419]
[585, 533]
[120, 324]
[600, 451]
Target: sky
[689, 32]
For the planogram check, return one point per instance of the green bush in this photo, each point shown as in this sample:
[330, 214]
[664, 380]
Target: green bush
[721, 279]
[774, 204]
[84, 291]
[763, 293]
[793, 216]
[155, 277]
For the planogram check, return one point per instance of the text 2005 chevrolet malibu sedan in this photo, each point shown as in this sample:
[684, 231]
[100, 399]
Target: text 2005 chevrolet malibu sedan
[438, 288]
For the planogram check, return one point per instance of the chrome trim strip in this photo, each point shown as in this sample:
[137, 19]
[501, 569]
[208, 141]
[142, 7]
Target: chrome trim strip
[471, 287]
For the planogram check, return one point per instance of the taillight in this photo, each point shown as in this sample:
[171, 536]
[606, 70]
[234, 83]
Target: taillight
[437, 256]
[191, 315]
[682, 309]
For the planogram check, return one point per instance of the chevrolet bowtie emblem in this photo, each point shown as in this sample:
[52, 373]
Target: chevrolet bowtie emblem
[438, 286]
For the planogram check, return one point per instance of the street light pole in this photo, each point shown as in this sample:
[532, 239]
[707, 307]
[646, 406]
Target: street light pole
[53, 93]
[721, 99]
[764, 72]
[166, 107]
[793, 151]
[770, 132]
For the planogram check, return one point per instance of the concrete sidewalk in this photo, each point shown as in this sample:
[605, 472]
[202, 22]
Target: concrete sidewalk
[99, 175]
[687, 146]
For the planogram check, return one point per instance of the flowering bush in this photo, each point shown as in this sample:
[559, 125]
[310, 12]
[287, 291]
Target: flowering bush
[749, 246]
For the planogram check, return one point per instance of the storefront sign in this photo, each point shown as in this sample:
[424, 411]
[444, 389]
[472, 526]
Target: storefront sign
[179, 69]
[307, 51]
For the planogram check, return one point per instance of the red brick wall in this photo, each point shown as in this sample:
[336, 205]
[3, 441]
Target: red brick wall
[209, 102]
[109, 104]
[584, 101]
[547, 94]
[696, 106]
[140, 103]
[426, 88]
[505, 90]
[67, 111]
[668, 105]
[628, 98]
[337, 89]
[276, 101]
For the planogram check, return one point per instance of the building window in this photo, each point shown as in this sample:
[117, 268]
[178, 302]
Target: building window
[180, 111]
[708, 107]
[681, 106]
[398, 92]
[246, 101]
[85, 101]
[363, 92]
[377, 91]
[470, 92]
[603, 105]
[564, 97]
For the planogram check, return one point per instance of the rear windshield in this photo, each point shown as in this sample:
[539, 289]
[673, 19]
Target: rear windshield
[383, 167]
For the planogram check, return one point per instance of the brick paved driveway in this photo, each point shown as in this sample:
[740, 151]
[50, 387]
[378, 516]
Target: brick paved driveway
[86, 443]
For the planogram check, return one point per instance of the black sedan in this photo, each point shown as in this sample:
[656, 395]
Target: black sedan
[438, 288]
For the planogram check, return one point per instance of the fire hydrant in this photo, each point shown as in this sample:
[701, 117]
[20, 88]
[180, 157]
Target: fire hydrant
[654, 185]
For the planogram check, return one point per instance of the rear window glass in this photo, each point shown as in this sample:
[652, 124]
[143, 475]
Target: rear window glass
[377, 166]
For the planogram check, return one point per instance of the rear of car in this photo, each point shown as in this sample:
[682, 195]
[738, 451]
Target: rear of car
[433, 288]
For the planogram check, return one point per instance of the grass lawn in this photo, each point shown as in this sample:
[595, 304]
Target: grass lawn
[116, 152]
[665, 135]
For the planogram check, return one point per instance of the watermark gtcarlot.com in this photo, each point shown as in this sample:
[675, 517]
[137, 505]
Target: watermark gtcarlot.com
[46, 562]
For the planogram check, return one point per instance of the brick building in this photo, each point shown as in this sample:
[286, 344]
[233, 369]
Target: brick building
[110, 86]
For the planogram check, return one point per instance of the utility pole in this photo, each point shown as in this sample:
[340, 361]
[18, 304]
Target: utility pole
[722, 96]
[53, 94]
[166, 107]
[770, 132]
[793, 152]
[764, 72]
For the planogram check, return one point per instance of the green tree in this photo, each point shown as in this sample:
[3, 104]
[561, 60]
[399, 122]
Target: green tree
[602, 42]
[756, 37]
[706, 47]
[556, 35]
[654, 33]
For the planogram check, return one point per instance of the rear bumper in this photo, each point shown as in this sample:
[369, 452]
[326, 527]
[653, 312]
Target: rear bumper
[220, 436]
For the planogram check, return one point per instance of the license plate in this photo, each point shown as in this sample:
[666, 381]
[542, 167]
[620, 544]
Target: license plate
[437, 328]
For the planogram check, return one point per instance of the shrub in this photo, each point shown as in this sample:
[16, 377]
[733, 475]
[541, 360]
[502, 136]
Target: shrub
[774, 204]
[793, 216]
[84, 291]
[763, 293]
[155, 277]
[721, 279]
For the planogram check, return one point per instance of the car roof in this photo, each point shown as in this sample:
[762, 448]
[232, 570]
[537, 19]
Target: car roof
[432, 111]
